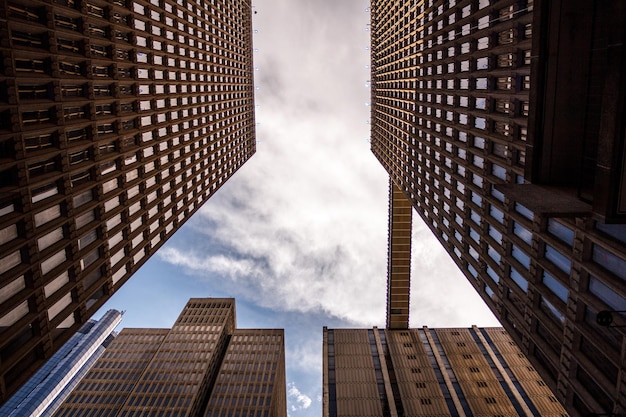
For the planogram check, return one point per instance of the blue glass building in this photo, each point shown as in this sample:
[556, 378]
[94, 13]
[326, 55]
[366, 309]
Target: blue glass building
[47, 389]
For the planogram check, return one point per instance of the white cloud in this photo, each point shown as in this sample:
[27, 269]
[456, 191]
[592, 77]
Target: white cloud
[297, 400]
[303, 225]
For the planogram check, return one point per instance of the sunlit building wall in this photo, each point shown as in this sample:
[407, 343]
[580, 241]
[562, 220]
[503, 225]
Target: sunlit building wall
[203, 366]
[502, 123]
[431, 372]
[118, 119]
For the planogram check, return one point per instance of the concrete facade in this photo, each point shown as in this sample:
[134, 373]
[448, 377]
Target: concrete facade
[502, 124]
[118, 120]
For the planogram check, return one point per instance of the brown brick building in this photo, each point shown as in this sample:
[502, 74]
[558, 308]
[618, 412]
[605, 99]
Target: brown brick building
[118, 119]
[502, 123]
[203, 366]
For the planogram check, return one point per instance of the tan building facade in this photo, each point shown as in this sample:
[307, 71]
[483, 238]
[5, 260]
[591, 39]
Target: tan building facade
[431, 372]
[502, 124]
[118, 120]
[203, 366]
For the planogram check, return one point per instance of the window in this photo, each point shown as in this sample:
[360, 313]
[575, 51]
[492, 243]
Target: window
[523, 233]
[519, 279]
[551, 310]
[53, 261]
[8, 233]
[56, 284]
[558, 259]
[14, 315]
[604, 293]
[563, 233]
[59, 306]
[12, 288]
[496, 214]
[524, 211]
[82, 198]
[50, 239]
[45, 191]
[555, 286]
[9, 261]
[609, 261]
[495, 234]
[521, 256]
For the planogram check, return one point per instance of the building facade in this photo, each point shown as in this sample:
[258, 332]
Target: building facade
[118, 119]
[502, 123]
[48, 388]
[431, 372]
[203, 366]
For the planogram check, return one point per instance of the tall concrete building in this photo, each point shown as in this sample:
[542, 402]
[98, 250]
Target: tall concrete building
[203, 366]
[118, 119]
[502, 123]
[430, 372]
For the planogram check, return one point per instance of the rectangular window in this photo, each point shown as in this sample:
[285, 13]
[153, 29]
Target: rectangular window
[496, 214]
[495, 234]
[50, 239]
[555, 286]
[45, 191]
[524, 211]
[85, 218]
[12, 288]
[523, 233]
[8, 233]
[493, 274]
[521, 256]
[53, 261]
[609, 296]
[609, 261]
[552, 311]
[10, 261]
[558, 259]
[59, 306]
[82, 198]
[519, 279]
[14, 315]
[563, 233]
[56, 284]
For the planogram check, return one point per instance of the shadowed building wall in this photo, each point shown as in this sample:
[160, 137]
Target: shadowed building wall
[118, 119]
[502, 123]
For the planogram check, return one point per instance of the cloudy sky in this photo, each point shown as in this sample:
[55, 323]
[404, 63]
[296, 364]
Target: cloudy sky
[298, 235]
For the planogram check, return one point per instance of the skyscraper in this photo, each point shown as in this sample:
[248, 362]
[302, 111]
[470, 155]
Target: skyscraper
[203, 366]
[48, 388]
[502, 123]
[430, 372]
[118, 119]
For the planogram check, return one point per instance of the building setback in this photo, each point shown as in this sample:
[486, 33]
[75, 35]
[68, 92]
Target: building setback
[502, 123]
[430, 372]
[53, 382]
[118, 119]
[203, 366]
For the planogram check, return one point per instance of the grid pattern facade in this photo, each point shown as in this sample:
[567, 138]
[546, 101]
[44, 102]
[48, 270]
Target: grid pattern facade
[450, 106]
[203, 366]
[118, 119]
[251, 381]
[398, 259]
[431, 372]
